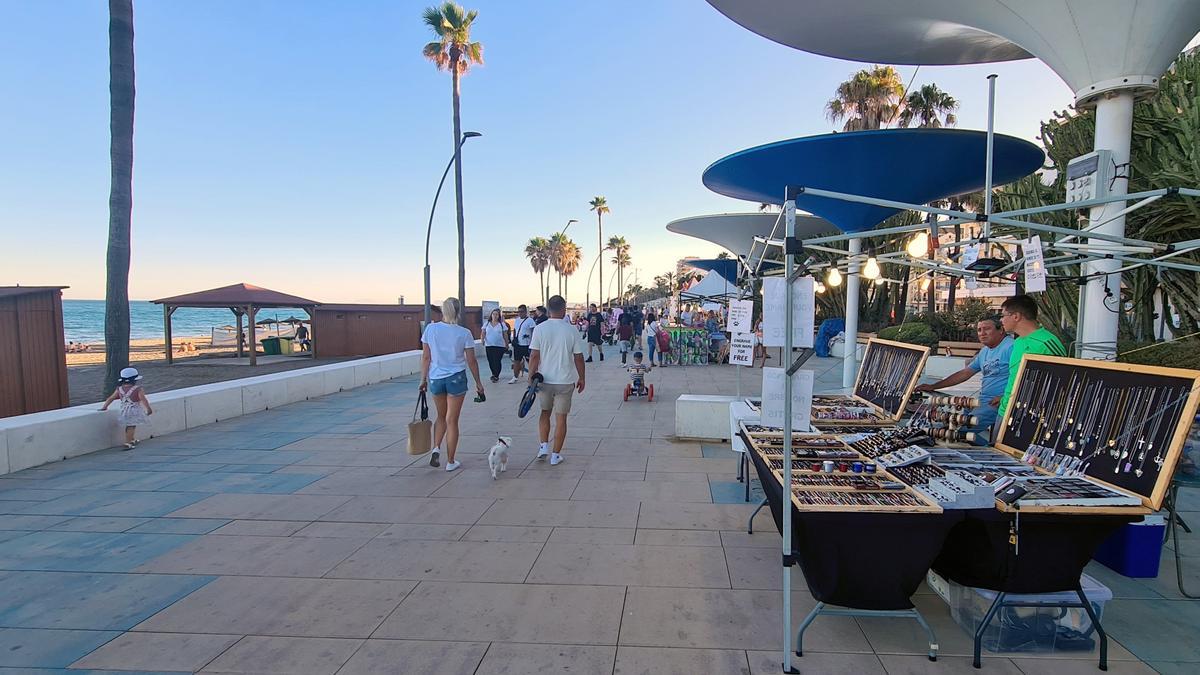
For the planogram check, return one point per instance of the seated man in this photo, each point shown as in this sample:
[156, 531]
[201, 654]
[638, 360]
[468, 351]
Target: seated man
[992, 361]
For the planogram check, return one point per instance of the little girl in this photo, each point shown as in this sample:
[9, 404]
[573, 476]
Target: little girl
[135, 407]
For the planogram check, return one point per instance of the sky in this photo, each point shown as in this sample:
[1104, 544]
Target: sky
[297, 144]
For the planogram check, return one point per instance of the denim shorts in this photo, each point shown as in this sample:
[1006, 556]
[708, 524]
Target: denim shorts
[452, 385]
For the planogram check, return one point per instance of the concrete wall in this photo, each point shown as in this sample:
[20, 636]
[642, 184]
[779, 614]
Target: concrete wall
[31, 440]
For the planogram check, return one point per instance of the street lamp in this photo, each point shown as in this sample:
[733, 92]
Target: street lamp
[429, 230]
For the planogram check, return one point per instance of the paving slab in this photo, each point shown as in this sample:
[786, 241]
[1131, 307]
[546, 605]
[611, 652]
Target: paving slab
[41, 648]
[261, 528]
[511, 533]
[630, 565]
[592, 535]
[425, 510]
[643, 491]
[85, 551]
[519, 659]
[258, 556]
[386, 657]
[158, 651]
[647, 537]
[444, 560]
[285, 656]
[88, 601]
[262, 507]
[667, 661]
[574, 513]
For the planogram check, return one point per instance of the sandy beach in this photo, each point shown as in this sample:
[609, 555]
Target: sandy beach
[148, 349]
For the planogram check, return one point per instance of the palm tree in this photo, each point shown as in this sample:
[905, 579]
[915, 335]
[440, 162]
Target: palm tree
[558, 245]
[600, 206]
[120, 196]
[538, 252]
[571, 258]
[868, 100]
[929, 107]
[454, 51]
[620, 247]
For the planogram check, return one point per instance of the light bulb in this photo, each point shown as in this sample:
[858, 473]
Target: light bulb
[820, 287]
[879, 281]
[925, 284]
[834, 278]
[871, 269]
[918, 246]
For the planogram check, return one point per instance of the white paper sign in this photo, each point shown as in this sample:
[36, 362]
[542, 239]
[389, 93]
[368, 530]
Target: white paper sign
[970, 254]
[803, 311]
[1035, 266]
[488, 306]
[740, 312]
[741, 349]
[772, 398]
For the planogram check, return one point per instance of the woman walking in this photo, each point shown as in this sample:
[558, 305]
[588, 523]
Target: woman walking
[447, 352]
[652, 328]
[494, 336]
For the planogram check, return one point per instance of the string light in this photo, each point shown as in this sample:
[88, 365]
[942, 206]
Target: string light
[925, 284]
[820, 287]
[918, 246]
[871, 269]
[834, 278]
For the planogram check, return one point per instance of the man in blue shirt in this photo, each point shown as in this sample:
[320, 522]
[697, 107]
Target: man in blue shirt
[992, 361]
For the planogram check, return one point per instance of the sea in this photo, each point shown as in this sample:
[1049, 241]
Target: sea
[83, 320]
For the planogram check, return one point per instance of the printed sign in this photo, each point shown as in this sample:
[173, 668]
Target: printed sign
[740, 312]
[772, 398]
[1035, 266]
[488, 306]
[803, 311]
[741, 349]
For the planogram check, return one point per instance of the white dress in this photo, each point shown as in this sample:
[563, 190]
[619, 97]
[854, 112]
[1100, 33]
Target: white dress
[132, 412]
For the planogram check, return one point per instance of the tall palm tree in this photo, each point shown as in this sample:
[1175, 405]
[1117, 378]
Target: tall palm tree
[929, 107]
[558, 248]
[572, 256]
[120, 196]
[868, 100]
[454, 51]
[538, 252]
[620, 247]
[600, 206]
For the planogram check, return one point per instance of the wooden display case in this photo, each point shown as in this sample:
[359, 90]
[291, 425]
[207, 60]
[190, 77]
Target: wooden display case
[888, 375]
[1120, 425]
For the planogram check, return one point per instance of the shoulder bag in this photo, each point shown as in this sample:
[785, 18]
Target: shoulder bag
[420, 431]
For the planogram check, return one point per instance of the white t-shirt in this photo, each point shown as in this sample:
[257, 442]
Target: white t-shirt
[523, 328]
[493, 334]
[447, 348]
[557, 342]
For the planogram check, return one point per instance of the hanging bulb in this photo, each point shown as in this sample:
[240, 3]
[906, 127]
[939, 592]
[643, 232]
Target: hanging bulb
[879, 281]
[834, 278]
[820, 287]
[871, 269]
[925, 284]
[918, 246]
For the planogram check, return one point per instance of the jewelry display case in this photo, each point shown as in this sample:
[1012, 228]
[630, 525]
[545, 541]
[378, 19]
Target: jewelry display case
[886, 379]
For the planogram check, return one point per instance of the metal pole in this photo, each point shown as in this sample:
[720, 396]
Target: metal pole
[850, 360]
[789, 210]
[991, 134]
[432, 209]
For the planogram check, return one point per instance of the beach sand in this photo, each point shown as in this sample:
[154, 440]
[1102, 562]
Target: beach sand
[85, 370]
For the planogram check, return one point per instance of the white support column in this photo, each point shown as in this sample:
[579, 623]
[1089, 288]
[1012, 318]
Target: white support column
[1097, 332]
[850, 360]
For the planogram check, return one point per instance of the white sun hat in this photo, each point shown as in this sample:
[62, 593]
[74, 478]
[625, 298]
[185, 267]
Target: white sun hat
[130, 375]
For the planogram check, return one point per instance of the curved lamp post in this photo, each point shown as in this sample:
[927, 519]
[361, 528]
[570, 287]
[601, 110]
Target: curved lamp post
[429, 229]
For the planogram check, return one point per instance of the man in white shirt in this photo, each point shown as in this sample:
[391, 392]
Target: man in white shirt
[523, 326]
[556, 352]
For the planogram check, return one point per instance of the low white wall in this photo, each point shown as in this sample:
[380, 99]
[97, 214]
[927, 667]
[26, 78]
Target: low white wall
[32, 440]
[703, 416]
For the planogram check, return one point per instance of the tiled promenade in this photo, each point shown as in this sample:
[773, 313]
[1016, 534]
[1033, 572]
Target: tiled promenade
[305, 540]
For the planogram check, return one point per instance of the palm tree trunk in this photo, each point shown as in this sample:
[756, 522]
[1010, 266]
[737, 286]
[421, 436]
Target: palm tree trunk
[120, 196]
[600, 263]
[458, 188]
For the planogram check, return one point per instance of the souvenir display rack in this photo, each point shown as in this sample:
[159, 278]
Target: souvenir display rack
[885, 381]
[1120, 425]
[689, 346]
[830, 476]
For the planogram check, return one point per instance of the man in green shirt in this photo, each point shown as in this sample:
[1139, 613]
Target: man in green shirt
[1019, 316]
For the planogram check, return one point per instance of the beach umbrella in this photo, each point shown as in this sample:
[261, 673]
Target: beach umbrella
[292, 319]
[266, 322]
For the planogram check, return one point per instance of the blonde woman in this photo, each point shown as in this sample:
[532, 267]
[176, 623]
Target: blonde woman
[447, 352]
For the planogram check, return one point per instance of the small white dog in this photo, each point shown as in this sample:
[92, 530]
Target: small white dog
[498, 455]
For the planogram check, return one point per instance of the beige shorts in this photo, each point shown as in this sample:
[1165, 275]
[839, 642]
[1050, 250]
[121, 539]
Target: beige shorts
[557, 398]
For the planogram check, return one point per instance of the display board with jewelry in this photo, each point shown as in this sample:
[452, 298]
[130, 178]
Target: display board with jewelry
[886, 379]
[1122, 425]
[948, 419]
[828, 475]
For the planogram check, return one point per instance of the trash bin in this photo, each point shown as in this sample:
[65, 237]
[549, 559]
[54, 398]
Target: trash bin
[270, 346]
[286, 345]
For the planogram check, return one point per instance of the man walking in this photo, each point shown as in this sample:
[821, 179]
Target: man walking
[594, 321]
[992, 361]
[557, 354]
[523, 326]
[1019, 316]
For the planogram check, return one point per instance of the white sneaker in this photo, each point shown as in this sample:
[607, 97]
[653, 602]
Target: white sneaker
[514, 380]
[543, 452]
[555, 459]
[451, 466]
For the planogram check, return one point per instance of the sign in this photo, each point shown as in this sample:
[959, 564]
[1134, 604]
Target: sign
[772, 398]
[740, 312]
[1035, 266]
[970, 254]
[741, 349]
[488, 306]
[803, 311]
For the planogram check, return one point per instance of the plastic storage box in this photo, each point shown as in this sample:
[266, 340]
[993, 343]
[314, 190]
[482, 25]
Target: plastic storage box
[1046, 626]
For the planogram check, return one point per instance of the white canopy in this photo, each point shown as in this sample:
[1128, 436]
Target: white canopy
[712, 287]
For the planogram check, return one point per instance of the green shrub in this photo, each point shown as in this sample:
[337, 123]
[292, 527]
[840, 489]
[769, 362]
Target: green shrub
[913, 332]
[1181, 354]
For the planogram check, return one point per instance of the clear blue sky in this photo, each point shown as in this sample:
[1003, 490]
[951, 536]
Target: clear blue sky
[296, 144]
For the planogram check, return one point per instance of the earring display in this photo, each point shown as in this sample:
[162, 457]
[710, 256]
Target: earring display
[1121, 424]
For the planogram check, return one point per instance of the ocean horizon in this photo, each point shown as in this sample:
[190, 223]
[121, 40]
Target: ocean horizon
[83, 320]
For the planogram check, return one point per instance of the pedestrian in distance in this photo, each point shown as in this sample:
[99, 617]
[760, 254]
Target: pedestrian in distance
[447, 352]
[135, 406]
[556, 354]
[595, 321]
[523, 326]
[494, 336]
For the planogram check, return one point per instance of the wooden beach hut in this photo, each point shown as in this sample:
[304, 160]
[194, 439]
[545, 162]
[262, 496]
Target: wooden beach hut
[244, 300]
[374, 330]
[33, 356]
